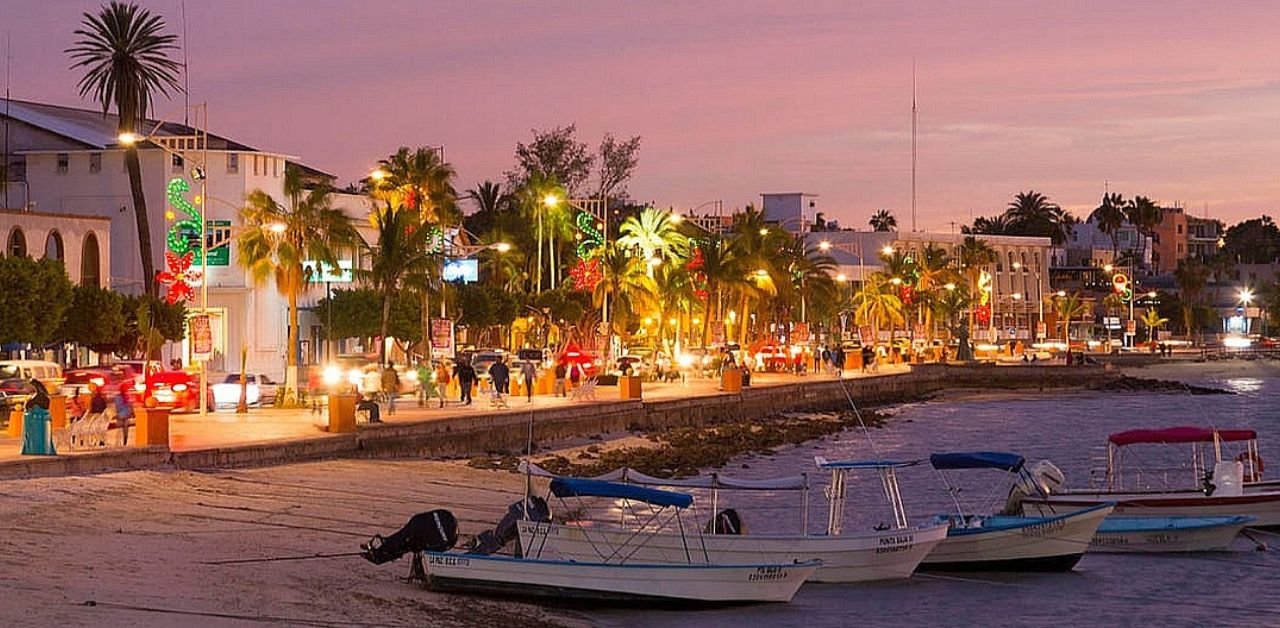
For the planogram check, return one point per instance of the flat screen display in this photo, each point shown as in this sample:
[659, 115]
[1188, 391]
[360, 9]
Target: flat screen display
[465, 270]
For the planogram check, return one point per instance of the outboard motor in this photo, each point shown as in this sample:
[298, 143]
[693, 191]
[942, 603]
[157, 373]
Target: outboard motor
[727, 521]
[434, 531]
[491, 541]
[1041, 478]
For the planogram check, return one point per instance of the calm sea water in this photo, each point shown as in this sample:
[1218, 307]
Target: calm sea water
[1070, 429]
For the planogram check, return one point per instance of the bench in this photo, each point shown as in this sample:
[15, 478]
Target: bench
[587, 390]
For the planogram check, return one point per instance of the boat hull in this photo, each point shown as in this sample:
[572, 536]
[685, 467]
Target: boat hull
[1152, 535]
[1012, 543]
[1263, 507]
[617, 583]
[878, 555]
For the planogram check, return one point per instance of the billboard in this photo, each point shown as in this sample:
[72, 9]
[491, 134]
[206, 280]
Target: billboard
[465, 270]
[320, 272]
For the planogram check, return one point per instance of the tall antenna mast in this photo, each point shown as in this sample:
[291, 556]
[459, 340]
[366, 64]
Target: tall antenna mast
[913, 144]
[8, 41]
[186, 75]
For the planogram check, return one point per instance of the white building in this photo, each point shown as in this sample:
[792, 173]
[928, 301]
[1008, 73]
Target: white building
[81, 243]
[73, 164]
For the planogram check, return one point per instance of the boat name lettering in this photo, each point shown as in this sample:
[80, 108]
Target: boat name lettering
[1159, 539]
[893, 549]
[449, 560]
[898, 540]
[1044, 529]
[768, 573]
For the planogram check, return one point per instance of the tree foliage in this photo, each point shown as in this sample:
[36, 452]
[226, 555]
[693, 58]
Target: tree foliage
[1253, 241]
[616, 161]
[357, 313]
[34, 295]
[556, 154]
[96, 318]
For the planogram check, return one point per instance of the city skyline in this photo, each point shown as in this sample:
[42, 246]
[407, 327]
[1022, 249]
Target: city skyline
[1166, 101]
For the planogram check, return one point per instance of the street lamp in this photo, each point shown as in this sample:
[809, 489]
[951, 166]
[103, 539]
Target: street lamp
[824, 246]
[1246, 295]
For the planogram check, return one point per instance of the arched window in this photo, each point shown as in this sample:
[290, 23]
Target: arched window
[17, 246]
[90, 265]
[53, 246]
[1011, 260]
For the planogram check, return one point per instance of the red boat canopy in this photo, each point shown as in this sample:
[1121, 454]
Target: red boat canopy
[1179, 435]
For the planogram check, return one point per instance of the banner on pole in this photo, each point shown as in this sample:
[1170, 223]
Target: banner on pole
[442, 338]
[717, 333]
[800, 333]
[201, 336]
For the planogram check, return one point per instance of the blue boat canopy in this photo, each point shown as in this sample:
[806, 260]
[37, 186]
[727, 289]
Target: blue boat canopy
[977, 460]
[581, 487]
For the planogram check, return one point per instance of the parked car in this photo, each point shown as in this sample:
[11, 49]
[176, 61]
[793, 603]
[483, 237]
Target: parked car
[49, 373]
[108, 378]
[176, 390]
[259, 390]
[772, 358]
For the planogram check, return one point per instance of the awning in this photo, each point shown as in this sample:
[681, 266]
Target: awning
[712, 481]
[977, 460]
[1185, 434]
[823, 463]
[569, 487]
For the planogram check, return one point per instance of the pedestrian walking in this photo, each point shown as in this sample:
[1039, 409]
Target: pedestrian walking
[391, 387]
[442, 381]
[124, 412]
[424, 384]
[561, 382]
[466, 379]
[575, 374]
[529, 372]
[501, 374]
[837, 361]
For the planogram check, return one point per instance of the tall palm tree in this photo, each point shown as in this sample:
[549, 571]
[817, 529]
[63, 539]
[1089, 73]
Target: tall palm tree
[422, 182]
[876, 304]
[975, 256]
[721, 267]
[1191, 276]
[934, 271]
[1153, 321]
[1109, 216]
[991, 225]
[278, 239]
[403, 245]
[1034, 214]
[1145, 216]
[627, 286]
[883, 220]
[653, 235]
[487, 196]
[124, 51]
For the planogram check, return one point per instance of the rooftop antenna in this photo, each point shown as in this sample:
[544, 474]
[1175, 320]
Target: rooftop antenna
[186, 75]
[913, 144]
[8, 41]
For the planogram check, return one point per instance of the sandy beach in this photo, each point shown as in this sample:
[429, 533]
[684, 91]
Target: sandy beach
[143, 548]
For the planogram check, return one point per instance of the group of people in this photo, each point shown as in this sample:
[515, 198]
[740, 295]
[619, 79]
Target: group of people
[833, 360]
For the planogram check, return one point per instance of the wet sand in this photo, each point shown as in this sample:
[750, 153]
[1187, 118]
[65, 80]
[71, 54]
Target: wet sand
[141, 548]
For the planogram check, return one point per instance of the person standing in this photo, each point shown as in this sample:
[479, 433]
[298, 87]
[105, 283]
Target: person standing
[501, 374]
[837, 361]
[466, 379]
[391, 387]
[561, 372]
[575, 374]
[529, 372]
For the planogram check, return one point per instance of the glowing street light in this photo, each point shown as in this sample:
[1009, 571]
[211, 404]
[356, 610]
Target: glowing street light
[841, 278]
[949, 286]
[551, 200]
[277, 227]
[764, 231]
[1062, 293]
[897, 281]
[887, 250]
[824, 245]
[502, 247]
[379, 175]
[128, 138]
[676, 218]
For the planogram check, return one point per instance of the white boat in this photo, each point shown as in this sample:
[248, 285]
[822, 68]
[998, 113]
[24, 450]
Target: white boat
[613, 582]
[628, 577]
[846, 556]
[1006, 542]
[1145, 535]
[1216, 487]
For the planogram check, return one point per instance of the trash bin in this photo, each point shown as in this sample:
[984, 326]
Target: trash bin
[58, 411]
[731, 380]
[37, 437]
[628, 388]
[152, 427]
[342, 413]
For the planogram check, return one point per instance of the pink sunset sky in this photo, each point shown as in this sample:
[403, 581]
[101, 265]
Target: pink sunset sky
[1175, 100]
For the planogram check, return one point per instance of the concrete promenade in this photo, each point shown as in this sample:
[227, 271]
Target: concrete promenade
[272, 436]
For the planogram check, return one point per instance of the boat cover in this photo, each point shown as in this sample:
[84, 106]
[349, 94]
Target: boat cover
[977, 460]
[712, 481]
[823, 463]
[1183, 434]
[569, 487]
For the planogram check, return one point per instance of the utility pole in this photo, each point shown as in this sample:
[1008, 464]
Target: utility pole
[913, 144]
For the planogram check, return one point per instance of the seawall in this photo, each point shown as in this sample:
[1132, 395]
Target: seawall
[508, 430]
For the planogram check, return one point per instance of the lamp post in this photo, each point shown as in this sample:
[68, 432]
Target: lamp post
[199, 173]
[1246, 296]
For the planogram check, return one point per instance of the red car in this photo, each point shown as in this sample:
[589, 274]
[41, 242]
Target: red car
[174, 389]
[109, 378]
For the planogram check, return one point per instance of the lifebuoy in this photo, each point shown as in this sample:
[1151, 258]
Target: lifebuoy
[1253, 466]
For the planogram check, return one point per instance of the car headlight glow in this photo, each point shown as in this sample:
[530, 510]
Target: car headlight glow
[332, 375]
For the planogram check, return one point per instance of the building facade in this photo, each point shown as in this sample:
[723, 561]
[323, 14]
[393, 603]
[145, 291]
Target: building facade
[81, 243]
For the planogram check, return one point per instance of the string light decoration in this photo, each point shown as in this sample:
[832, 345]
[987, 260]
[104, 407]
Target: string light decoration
[182, 232]
[179, 278]
[587, 273]
[982, 314]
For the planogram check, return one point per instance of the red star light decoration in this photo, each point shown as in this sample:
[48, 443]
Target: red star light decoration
[178, 275]
[586, 274]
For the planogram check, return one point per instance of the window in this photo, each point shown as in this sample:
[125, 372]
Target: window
[177, 163]
[1023, 255]
[17, 246]
[275, 167]
[1179, 229]
[53, 246]
[256, 160]
[90, 270]
[64, 163]
[233, 163]
[1179, 248]
[95, 162]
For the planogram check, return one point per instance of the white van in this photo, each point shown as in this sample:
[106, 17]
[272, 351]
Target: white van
[48, 373]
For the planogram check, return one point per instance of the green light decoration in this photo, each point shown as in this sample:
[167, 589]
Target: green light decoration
[436, 240]
[592, 239]
[180, 233]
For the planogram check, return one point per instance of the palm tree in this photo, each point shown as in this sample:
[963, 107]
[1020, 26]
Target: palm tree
[1153, 320]
[487, 196]
[934, 271]
[1144, 215]
[278, 240]
[1109, 216]
[975, 256]
[422, 182]
[1069, 307]
[125, 55]
[990, 225]
[654, 235]
[1032, 213]
[721, 267]
[1191, 276]
[627, 286]
[877, 303]
[403, 246]
[883, 220]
